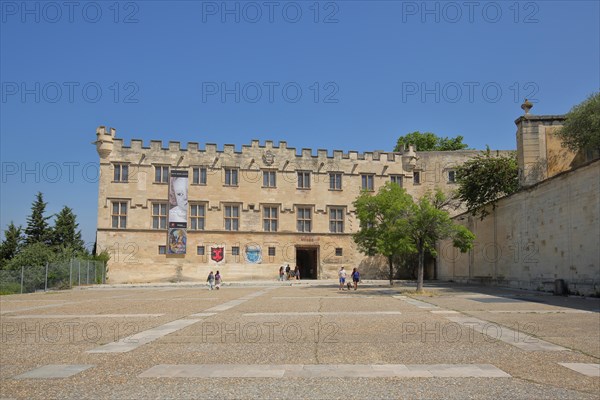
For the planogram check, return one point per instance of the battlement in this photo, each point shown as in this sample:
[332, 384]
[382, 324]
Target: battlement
[280, 150]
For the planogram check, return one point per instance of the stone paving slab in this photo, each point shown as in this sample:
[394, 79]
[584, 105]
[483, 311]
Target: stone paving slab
[517, 339]
[54, 371]
[324, 371]
[414, 302]
[145, 337]
[584, 368]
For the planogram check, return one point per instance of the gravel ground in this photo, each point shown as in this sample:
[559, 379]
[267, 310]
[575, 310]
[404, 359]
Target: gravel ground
[59, 328]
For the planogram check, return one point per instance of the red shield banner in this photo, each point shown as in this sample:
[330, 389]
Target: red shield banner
[217, 254]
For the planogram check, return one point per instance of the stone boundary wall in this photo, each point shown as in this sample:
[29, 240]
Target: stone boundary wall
[546, 232]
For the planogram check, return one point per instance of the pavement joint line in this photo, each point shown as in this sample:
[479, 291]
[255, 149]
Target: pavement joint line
[324, 297]
[67, 316]
[174, 299]
[515, 338]
[40, 307]
[202, 314]
[54, 371]
[323, 371]
[415, 302]
[67, 303]
[27, 301]
[319, 313]
[567, 311]
[141, 338]
[236, 302]
[587, 369]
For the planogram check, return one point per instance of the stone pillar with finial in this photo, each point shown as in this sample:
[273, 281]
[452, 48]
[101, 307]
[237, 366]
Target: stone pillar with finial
[530, 147]
[526, 106]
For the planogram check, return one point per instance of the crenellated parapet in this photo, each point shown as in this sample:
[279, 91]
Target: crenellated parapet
[433, 166]
[107, 140]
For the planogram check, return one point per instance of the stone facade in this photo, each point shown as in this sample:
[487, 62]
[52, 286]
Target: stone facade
[133, 195]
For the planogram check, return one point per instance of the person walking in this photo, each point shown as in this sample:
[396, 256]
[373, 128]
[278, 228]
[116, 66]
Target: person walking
[281, 273]
[210, 280]
[355, 277]
[218, 280]
[342, 276]
[287, 271]
[297, 272]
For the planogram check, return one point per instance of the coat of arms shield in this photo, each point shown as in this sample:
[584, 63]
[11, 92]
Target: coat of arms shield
[217, 254]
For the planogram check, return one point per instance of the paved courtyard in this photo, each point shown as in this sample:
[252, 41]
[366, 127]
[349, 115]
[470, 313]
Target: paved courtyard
[306, 341]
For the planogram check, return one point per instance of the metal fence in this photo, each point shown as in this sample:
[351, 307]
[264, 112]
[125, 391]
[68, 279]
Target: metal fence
[53, 276]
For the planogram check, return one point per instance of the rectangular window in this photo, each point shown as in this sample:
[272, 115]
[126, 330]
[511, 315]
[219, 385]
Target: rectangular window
[121, 173]
[416, 177]
[162, 249]
[231, 176]
[232, 218]
[199, 176]
[304, 219]
[159, 215]
[451, 176]
[161, 174]
[269, 179]
[367, 182]
[336, 220]
[119, 214]
[271, 251]
[396, 179]
[303, 179]
[335, 181]
[198, 217]
[200, 250]
[339, 252]
[270, 218]
[235, 251]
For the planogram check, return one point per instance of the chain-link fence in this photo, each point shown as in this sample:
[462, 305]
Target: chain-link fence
[53, 276]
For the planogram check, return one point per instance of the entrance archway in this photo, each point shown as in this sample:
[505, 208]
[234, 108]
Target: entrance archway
[307, 259]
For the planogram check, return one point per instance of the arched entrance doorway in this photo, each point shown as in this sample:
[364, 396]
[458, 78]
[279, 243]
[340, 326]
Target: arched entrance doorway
[307, 259]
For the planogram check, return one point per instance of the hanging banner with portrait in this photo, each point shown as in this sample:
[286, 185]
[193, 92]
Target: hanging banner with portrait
[178, 206]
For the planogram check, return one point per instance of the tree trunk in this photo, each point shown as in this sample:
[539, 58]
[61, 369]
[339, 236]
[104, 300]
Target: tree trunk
[391, 263]
[420, 269]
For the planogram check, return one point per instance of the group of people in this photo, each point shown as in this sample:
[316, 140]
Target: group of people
[214, 280]
[288, 273]
[355, 278]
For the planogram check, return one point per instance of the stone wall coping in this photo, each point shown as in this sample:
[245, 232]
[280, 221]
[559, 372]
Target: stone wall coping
[532, 118]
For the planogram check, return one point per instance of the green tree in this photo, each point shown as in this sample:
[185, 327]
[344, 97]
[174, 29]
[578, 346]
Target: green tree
[383, 223]
[581, 129]
[429, 224]
[37, 230]
[482, 180]
[65, 233]
[429, 141]
[13, 240]
[32, 255]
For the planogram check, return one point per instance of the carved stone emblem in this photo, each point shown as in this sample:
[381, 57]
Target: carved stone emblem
[268, 157]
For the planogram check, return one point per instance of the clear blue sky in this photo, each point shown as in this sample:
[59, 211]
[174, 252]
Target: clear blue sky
[368, 71]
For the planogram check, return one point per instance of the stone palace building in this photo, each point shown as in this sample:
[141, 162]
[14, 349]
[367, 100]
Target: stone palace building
[173, 213]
